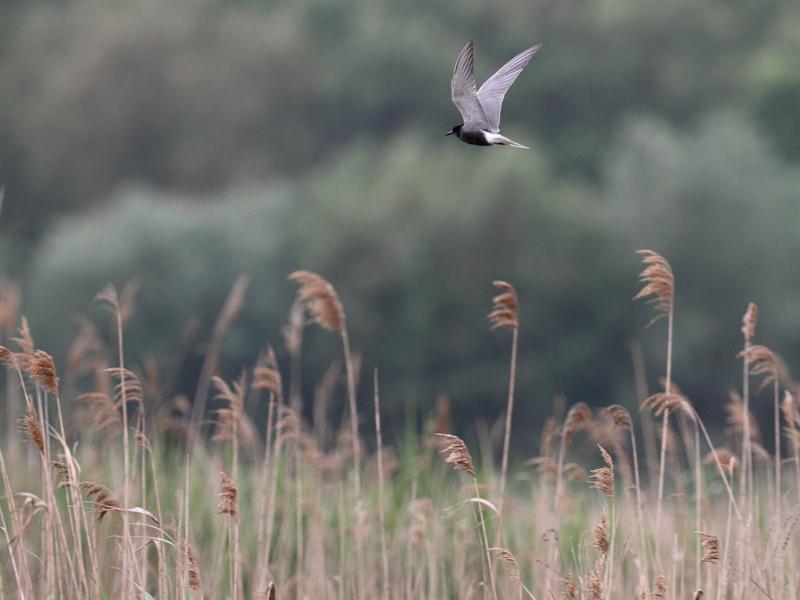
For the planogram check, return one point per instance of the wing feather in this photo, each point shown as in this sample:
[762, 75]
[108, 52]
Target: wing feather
[491, 93]
[463, 89]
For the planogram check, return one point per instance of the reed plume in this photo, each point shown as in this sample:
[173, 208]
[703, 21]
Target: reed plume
[710, 544]
[322, 303]
[658, 289]
[456, 453]
[505, 315]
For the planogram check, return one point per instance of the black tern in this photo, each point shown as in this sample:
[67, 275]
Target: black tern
[480, 108]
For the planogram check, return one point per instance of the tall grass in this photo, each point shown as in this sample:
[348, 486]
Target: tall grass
[129, 495]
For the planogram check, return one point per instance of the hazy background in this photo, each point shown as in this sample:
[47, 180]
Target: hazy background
[185, 143]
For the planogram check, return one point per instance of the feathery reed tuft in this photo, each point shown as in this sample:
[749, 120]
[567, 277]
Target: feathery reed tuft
[578, 418]
[505, 307]
[510, 564]
[266, 376]
[659, 588]
[193, 571]
[42, 370]
[658, 283]
[229, 494]
[104, 499]
[600, 532]
[320, 299]
[750, 322]
[602, 478]
[455, 452]
[710, 544]
[31, 425]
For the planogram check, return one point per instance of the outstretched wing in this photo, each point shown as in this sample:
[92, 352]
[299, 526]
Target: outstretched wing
[494, 89]
[464, 94]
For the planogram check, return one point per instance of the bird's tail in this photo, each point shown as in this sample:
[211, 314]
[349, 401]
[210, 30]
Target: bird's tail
[514, 144]
[497, 138]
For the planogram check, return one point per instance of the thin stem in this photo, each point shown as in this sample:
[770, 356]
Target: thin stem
[381, 515]
[512, 376]
[485, 540]
[665, 426]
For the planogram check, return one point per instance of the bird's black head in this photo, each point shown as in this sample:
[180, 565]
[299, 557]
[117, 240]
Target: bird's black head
[455, 130]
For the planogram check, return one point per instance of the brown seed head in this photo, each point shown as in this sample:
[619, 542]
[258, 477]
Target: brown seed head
[594, 582]
[510, 564]
[267, 376]
[570, 588]
[42, 370]
[6, 357]
[764, 363]
[600, 532]
[320, 299]
[618, 414]
[31, 425]
[10, 302]
[710, 545]
[455, 452]
[602, 478]
[505, 307]
[229, 494]
[104, 499]
[750, 322]
[658, 283]
[578, 418]
[659, 588]
[193, 569]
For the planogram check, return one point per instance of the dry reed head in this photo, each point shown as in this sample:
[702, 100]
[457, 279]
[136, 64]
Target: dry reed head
[231, 419]
[31, 425]
[320, 299]
[270, 593]
[658, 283]
[578, 418]
[674, 401]
[25, 342]
[602, 478]
[505, 307]
[600, 532]
[10, 302]
[570, 588]
[193, 571]
[594, 580]
[736, 418]
[710, 544]
[229, 494]
[127, 387]
[764, 363]
[121, 304]
[86, 352]
[6, 356]
[104, 500]
[42, 370]
[728, 460]
[267, 376]
[619, 415]
[750, 322]
[455, 452]
[659, 588]
[510, 564]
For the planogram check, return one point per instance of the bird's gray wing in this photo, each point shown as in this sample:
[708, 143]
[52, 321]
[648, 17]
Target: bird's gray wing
[463, 89]
[494, 89]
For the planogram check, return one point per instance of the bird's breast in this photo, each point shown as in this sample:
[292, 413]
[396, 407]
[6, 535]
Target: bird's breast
[476, 137]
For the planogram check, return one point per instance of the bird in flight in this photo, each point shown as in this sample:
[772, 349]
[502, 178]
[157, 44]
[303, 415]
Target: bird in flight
[480, 108]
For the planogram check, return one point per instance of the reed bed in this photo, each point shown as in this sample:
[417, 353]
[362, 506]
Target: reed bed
[131, 494]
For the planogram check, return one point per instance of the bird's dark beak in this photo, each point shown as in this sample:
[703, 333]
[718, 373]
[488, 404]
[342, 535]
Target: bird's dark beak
[449, 132]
